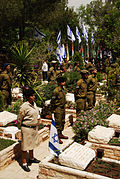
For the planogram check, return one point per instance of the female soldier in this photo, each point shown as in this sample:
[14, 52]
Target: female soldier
[30, 119]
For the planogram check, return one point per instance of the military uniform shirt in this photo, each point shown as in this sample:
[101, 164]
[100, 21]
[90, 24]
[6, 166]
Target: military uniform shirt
[29, 114]
[81, 89]
[91, 83]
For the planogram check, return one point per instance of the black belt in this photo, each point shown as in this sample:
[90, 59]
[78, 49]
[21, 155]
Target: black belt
[23, 125]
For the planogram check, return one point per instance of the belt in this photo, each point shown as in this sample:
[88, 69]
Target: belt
[23, 125]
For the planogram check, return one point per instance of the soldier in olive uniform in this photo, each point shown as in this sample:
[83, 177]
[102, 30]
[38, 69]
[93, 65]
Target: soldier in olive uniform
[52, 71]
[76, 68]
[91, 88]
[81, 92]
[5, 84]
[58, 102]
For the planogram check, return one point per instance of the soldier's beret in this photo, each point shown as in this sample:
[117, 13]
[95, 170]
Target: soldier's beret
[5, 65]
[60, 79]
[84, 71]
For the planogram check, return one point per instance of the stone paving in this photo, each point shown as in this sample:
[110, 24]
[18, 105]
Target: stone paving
[14, 170]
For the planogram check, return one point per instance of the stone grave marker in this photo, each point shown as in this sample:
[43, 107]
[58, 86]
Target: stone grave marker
[77, 156]
[101, 134]
[70, 97]
[114, 121]
[7, 117]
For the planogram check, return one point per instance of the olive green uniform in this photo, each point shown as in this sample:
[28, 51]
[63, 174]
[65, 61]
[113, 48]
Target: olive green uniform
[91, 91]
[80, 95]
[51, 74]
[58, 102]
[76, 68]
[5, 86]
[28, 116]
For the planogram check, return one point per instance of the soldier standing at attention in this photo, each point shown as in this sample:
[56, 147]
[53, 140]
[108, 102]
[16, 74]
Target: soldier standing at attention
[52, 71]
[76, 68]
[5, 84]
[91, 88]
[58, 102]
[81, 92]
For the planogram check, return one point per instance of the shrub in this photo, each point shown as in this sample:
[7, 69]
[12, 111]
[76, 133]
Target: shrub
[99, 77]
[15, 107]
[71, 80]
[78, 58]
[4, 143]
[89, 119]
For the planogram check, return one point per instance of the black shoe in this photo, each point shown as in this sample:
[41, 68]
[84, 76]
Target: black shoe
[34, 161]
[26, 168]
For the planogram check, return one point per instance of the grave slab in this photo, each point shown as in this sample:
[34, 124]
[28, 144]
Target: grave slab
[77, 156]
[101, 134]
[7, 117]
[114, 121]
[70, 97]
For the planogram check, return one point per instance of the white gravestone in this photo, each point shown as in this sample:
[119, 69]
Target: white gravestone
[114, 121]
[7, 117]
[77, 156]
[70, 97]
[101, 134]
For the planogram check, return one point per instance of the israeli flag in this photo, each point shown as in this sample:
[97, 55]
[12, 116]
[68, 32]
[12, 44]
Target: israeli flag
[70, 34]
[85, 34]
[92, 38]
[53, 139]
[59, 38]
[78, 34]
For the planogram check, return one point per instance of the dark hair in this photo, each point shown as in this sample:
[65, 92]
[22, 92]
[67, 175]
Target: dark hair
[29, 92]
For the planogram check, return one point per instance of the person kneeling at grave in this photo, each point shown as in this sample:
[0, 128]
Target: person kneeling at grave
[58, 102]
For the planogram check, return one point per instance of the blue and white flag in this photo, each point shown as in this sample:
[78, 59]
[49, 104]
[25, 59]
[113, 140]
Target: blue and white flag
[70, 34]
[63, 52]
[53, 139]
[39, 34]
[59, 38]
[78, 34]
[92, 38]
[85, 34]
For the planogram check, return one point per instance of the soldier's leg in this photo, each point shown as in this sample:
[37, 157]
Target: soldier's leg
[80, 105]
[58, 120]
[5, 96]
[90, 101]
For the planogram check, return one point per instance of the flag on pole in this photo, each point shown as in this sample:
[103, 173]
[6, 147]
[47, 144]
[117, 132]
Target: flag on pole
[59, 38]
[70, 34]
[85, 34]
[81, 50]
[87, 50]
[67, 52]
[53, 139]
[92, 38]
[72, 49]
[39, 34]
[78, 35]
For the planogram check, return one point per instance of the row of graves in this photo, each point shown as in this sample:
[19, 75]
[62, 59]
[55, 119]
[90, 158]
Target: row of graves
[97, 158]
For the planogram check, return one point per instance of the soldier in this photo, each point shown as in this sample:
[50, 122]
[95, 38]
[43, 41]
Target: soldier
[58, 102]
[81, 92]
[52, 71]
[76, 67]
[89, 65]
[5, 84]
[91, 88]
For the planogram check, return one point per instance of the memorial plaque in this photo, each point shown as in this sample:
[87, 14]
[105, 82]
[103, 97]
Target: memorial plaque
[77, 156]
[114, 121]
[101, 134]
[7, 117]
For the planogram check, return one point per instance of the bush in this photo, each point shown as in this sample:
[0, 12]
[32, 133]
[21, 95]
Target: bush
[71, 80]
[89, 119]
[4, 143]
[15, 107]
[78, 58]
[99, 77]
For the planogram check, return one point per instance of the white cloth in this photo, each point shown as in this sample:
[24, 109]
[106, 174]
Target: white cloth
[45, 67]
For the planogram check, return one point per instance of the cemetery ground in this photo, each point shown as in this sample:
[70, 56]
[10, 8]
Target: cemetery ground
[101, 138]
